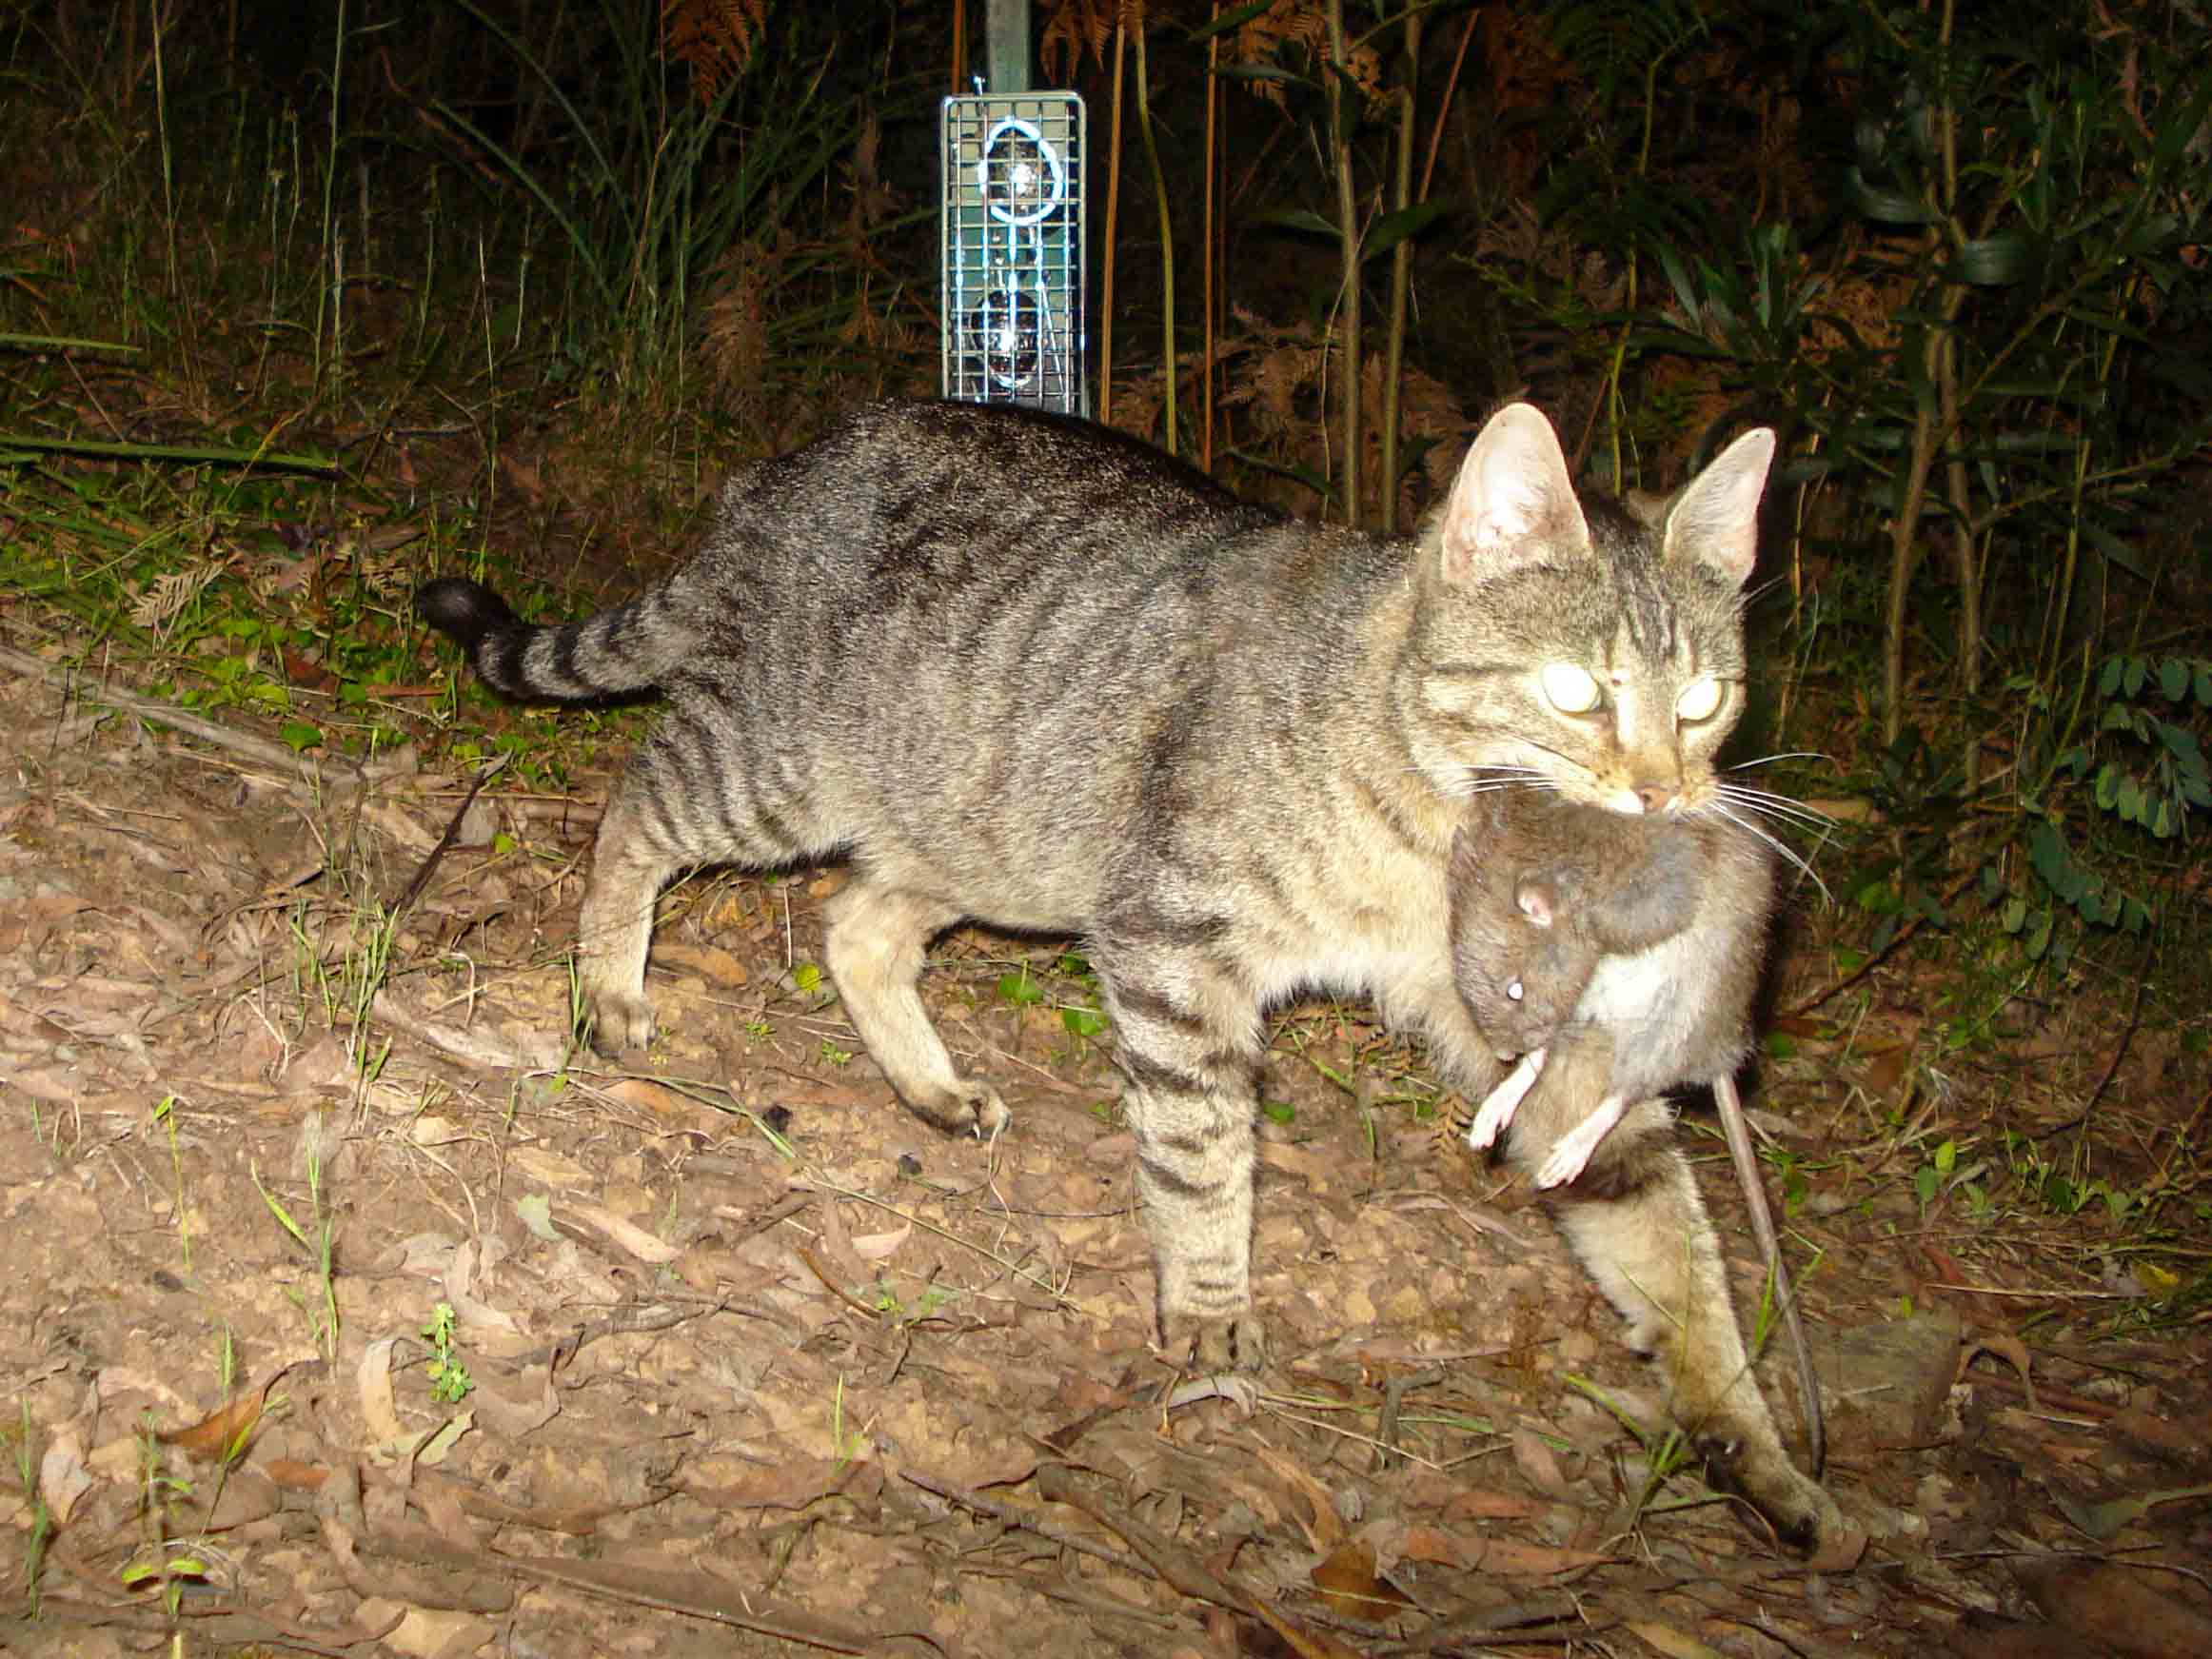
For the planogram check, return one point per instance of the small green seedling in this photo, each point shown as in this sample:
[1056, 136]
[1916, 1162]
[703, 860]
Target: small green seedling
[449, 1380]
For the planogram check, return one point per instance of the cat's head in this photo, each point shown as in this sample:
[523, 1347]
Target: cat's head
[1599, 652]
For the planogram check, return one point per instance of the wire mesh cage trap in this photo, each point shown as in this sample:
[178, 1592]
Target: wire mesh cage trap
[1014, 191]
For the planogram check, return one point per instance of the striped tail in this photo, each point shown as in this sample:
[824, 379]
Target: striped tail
[629, 648]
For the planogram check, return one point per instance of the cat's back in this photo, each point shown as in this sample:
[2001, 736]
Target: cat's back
[920, 494]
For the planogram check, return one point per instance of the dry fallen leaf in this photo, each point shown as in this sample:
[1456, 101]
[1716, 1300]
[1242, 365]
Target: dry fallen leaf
[1535, 1460]
[1477, 1504]
[1673, 1642]
[1346, 1582]
[221, 1433]
[710, 962]
[626, 1235]
[1326, 1529]
[372, 1381]
[63, 1478]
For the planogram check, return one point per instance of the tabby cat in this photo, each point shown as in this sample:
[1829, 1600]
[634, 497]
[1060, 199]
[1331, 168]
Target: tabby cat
[1025, 670]
[1542, 889]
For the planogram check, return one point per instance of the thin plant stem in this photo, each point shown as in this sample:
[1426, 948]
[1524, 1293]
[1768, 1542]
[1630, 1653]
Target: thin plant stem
[1348, 235]
[1206, 258]
[1401, 277]
[1167, 239]
[1113, 224]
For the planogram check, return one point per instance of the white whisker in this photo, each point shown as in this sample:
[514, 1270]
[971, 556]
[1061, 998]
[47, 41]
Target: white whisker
[1782, 806]
[1787, 754]
[1782, 850]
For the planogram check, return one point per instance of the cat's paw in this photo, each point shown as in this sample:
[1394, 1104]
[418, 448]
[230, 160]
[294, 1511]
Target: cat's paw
[619, 1021]
[1221, 1342]
[966, 1107]
[1800, 1511]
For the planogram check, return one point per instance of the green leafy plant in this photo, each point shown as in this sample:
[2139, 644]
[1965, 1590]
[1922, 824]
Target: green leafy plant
[449, 1380]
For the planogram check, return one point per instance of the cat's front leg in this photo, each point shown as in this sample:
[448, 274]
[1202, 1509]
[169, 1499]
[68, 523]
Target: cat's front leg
[1187, 1037]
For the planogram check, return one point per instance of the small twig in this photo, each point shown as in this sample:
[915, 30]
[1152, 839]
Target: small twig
[1016, 1515]
[452, 1041]
[1181, 1570]
[1394, 1393]
[1274, 1404]
[1736, 1130]
[1008, 1266]
[813, 1265]
[2080, 1119]
[484, 774]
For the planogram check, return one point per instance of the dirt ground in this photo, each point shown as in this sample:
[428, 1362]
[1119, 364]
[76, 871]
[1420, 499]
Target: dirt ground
[741, 1358]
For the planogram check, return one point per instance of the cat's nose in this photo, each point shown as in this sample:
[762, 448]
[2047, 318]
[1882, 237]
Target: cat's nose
[1655, 797]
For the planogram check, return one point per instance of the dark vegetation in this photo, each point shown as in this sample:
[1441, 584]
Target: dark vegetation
[301, 303]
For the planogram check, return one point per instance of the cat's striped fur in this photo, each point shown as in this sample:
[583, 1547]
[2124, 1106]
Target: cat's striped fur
[1023, 670]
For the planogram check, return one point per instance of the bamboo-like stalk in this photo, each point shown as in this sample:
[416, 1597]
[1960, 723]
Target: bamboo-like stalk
[1167, 240]
[1962, 538]
[1348, 235]
[1206, 245]
[1401, 276]
[1113, 225]
[1450, 89]
[1940, 369]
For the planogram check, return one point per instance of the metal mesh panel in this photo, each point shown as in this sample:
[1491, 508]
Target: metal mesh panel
[1014, 191]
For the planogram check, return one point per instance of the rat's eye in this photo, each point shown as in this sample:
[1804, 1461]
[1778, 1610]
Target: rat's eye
[1568, 687]
[1700, 698]
[1513, 991]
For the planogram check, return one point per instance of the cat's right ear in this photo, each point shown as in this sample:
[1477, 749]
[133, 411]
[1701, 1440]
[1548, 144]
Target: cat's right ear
[1512, 503]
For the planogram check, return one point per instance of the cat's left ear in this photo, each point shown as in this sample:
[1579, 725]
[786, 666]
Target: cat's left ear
[1715, 518]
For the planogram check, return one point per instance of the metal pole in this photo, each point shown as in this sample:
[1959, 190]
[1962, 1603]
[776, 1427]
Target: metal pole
[1006, 22]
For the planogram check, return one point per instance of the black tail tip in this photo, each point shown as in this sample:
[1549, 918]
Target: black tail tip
[463, 610]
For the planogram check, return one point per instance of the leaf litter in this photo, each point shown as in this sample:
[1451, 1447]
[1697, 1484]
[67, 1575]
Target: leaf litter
[749, 1351]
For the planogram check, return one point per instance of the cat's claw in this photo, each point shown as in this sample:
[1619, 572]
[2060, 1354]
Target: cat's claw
[1572, 1151]
[619, 1021]
[1499, 1105]
[1801, 1512]
[1223, 1342]
[966, 1107]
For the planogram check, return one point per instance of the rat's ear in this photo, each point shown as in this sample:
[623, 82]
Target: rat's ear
[1538, 899]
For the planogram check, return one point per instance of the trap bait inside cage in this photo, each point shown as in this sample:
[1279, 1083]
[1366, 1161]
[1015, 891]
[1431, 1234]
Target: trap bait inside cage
[1014, 193]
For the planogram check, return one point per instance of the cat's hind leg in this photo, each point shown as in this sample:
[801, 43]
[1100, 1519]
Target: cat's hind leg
[685, 801]
[635, 856]
[1187, 1035]
[878, 936]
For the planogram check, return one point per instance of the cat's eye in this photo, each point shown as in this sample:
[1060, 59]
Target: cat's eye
[1700, 698]
[1569, 688]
